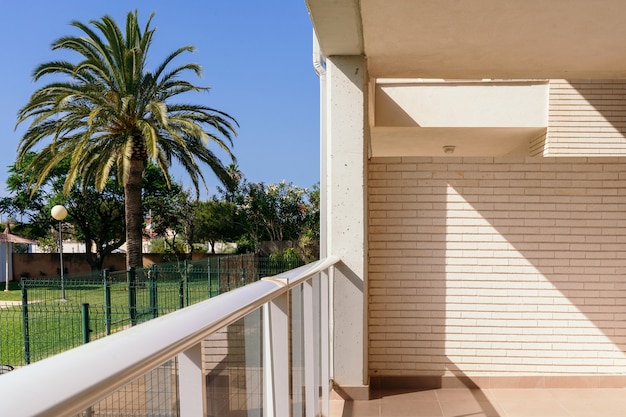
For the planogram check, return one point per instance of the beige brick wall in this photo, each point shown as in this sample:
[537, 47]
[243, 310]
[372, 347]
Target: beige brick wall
[483, 266]
[586, 117]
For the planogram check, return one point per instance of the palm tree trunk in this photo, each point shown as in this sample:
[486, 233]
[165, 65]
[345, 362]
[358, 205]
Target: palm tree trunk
[134, 214]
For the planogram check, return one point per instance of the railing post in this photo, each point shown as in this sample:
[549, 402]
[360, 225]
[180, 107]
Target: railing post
[311, 387]
[324, 338]
[84, 309]
[132, 295]
[191, 383]
[107, 301]
[276, 357]
[25, 324]
[297, 346]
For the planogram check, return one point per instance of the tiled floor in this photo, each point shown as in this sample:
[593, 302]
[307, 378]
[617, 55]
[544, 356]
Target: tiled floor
[601, 402]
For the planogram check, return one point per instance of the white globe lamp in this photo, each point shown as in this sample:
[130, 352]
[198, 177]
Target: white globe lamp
[59, 213]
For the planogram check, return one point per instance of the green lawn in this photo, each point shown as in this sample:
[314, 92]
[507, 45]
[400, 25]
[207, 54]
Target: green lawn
[14, 293]
[11, 336]
[55, 325]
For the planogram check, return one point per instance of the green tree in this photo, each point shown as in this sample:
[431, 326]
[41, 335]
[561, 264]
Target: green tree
[109, 112]
[215, 221]
[272, 212]
[23, 204]
[309, 240]
[97, 219]
[171, 219]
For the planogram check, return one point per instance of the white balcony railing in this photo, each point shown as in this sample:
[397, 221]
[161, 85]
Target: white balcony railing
[279, 337]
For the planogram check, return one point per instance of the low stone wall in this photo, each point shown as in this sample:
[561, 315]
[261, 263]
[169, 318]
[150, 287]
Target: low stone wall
[35, 265]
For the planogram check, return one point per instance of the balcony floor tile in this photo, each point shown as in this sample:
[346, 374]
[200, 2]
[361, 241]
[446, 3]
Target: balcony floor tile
[448, 402]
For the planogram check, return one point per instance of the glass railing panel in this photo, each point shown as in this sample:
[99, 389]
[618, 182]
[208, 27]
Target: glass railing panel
[153, 394]
[233, 361]
[228, 360]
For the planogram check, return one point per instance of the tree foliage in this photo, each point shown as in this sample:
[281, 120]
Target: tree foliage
[107, 113]
[171, 220]
[215, 221]
[95, 217]
[276, 212]
[23, 203]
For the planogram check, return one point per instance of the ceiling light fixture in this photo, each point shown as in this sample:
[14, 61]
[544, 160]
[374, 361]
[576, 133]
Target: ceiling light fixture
[449, 149]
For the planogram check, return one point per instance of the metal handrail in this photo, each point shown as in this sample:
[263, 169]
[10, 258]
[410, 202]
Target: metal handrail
[71, 381]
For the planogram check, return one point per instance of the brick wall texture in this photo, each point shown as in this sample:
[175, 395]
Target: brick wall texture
[586, 116]
[492, 266]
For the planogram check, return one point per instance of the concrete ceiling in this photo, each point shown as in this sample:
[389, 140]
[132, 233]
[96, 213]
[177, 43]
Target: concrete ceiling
[398, 141]
[475, 39]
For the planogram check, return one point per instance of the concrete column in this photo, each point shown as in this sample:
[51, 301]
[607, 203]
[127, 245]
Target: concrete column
[346, 182]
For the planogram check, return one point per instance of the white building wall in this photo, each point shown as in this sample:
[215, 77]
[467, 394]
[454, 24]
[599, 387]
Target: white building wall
[346, 184]
[487, 266]
[5, 269]
[68, 247]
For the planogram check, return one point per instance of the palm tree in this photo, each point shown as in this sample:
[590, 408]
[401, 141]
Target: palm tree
[111, 116]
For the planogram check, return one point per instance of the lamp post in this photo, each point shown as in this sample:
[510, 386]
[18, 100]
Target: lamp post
[59, 213]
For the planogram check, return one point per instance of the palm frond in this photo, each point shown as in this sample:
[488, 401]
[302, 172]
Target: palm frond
[109, 109]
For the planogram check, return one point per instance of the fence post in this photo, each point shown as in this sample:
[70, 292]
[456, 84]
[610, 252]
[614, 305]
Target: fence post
[181, 292]
[152, 281]
[84, 309]
[107, 301]
[25, 323]
[229, 270]
[243, 272]
[209, 289]
[219, 275]
[132, 295]
[186, 283]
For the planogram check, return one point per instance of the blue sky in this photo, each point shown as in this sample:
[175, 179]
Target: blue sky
[256, 57]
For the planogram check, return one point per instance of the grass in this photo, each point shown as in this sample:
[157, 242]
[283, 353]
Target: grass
[55, 325]
[11, 336]
[14, 293]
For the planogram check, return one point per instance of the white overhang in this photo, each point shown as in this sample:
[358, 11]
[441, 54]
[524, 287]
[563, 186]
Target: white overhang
[476, 118]
[475, 39]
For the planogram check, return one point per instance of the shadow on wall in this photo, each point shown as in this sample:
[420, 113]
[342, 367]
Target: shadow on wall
[587, 116]
[548, 248]
[490, 266]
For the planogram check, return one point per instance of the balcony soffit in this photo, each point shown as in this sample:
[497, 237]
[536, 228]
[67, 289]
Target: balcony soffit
[476, 38]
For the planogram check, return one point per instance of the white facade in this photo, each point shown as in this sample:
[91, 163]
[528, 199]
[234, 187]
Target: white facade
[6, 261]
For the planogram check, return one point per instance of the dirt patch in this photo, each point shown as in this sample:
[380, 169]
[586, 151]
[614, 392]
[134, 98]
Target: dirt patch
[5, 304]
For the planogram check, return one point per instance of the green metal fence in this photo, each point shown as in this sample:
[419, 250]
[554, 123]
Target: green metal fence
[98, 304]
